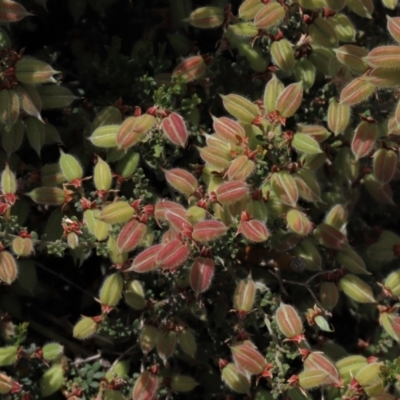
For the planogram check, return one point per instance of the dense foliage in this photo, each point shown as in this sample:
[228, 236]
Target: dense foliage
[199, 200]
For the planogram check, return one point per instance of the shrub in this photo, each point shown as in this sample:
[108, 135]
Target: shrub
[206, 205]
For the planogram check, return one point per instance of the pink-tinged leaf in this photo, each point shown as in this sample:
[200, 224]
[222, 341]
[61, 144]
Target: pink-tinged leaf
[178, 221]
[245, 295]
[364, 139]
[10, 11]
[206, 231]
[239, 107]
[356, 91]
[330, 237]
[175, 129]
[284, 186]
[168, 235]
[247, 358]
[228, 128]
[393, 26]
[384, 57]
[131, 235]
[146, 260]
[231, 192]
[384, 165]
[191, 69]
[317, 361]
[299, 223]
[172, 255]
[381, 192]
[146, 387]
[290, 99]
[201, 274]
[289, 322]
[254, 230]
[269, 16]
[164, 205]
[215, 156]
[128, 135]
[181, 180]
[240, 168]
